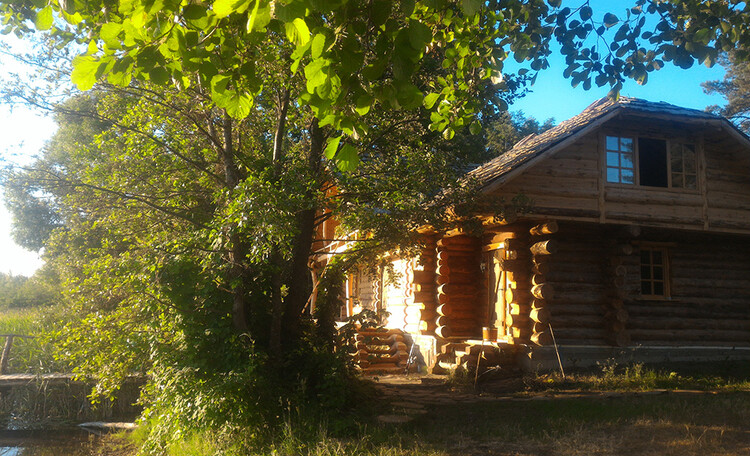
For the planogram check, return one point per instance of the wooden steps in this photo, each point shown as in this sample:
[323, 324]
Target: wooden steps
[467, 353]
[381, 351]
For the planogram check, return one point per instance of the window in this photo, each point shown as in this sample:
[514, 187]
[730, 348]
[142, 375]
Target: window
[654, 272]
[651, 162]
[684, 172]
[620, 162]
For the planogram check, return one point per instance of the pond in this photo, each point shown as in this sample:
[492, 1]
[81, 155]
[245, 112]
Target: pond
[67, 442]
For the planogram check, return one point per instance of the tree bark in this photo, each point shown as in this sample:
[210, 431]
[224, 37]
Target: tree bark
[236, 248]
[298, 270]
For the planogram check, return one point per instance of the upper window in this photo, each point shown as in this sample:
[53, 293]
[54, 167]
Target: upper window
[620, 160]
[651, 162]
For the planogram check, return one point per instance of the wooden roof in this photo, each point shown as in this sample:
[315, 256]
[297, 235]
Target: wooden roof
[534, 147]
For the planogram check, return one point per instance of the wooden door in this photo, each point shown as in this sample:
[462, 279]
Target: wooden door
[495, 278]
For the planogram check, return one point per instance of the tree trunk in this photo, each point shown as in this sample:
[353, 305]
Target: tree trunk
[298, 272]
[277, 302]
[236, 249]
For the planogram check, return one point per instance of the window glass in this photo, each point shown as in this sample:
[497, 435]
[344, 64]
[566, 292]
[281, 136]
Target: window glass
[620, 160]
[613, 143]
[627, 176]
[654, 275]
[613, 159]
[613, 175]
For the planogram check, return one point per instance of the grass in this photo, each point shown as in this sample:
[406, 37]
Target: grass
[714, 376]
[29, 355]
[645, 425]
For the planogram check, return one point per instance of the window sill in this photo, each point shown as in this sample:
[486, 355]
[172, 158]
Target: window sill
[652, 189]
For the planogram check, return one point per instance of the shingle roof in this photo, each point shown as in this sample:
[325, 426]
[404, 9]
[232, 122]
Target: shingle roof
[531, 147]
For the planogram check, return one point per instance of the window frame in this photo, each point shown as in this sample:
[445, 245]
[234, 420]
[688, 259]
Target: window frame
[670, 141]
[666, 273]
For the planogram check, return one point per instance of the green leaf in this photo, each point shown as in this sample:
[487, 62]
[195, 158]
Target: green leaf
[332, 147]
[297, 31]
[223, 8]
[109, 33]
[430, 100]
[419, 35]
[610, 20]
[318, 45]
[84, 72]
[585, 13]
[363, 104]
[471, 7]
[316, 74]
[159, 75]
[347, 159]
[449, 133]
[704, 36]
[44, 19]
[475, 127]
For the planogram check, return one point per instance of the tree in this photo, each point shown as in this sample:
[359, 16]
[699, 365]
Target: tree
[505, 132]
[735, 87]
[188, 220]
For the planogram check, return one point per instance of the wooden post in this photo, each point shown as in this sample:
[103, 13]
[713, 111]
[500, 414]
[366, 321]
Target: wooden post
[6, 355]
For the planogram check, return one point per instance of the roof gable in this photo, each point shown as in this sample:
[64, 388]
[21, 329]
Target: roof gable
[534, 148]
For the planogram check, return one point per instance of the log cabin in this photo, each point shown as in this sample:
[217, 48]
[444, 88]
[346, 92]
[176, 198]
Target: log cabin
[635, 247]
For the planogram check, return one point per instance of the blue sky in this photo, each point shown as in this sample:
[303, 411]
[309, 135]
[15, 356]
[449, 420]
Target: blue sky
[553, 96]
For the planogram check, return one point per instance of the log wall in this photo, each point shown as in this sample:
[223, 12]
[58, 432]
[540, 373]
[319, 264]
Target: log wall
[460, 285]
[597, 299]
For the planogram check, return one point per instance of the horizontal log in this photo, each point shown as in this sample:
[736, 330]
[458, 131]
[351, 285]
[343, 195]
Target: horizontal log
[619, 271]
[544, 228]
[691, 309]
[458, 256]
[457, 322]
[540, 315]
[580, 334]
[543, 291]
[616, 326]
[517, 320]
[622, 249]
[620, 315]
[541, 338]
[424, 277]
[467, 301]
[516, 244]
[455, 289]
[424, 296]
[619, 338]
[540, 268]
[517, 295]
[446, 269]
[460, 278]
[460, 240]
[689, 323]
[519, 309]
[514, 265]
[544, 247]
[702, 282]
[520, 335]
[430, 287]
[447, 310]
[689, 335]
[629, 231]
[519, 276]
[577, 321]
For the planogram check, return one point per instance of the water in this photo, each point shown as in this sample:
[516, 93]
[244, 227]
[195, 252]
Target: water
[63, 442]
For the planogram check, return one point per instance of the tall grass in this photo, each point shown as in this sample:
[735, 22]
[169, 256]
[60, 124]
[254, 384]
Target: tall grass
[33, 355]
